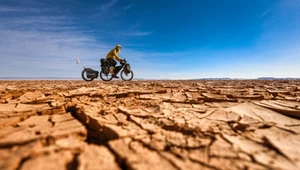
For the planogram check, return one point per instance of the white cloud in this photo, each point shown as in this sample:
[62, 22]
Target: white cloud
[42, 20]
[107, 6]
[129, 6]
[6, 9]
[267, 12]
[135, 26]
[138, 33]
[133, 30]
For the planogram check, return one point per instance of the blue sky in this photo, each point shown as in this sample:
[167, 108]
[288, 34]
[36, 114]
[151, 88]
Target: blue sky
[161, 39]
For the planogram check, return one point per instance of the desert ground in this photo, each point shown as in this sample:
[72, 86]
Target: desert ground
[73, 124]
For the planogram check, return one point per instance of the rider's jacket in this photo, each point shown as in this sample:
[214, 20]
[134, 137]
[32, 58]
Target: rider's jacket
[113, 54]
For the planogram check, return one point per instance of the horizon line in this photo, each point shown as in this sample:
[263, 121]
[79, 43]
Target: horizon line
[207, 78]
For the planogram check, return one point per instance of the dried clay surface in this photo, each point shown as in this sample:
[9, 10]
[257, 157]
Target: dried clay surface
[232, 124]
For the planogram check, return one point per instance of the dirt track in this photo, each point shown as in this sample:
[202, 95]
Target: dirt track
[149, 125]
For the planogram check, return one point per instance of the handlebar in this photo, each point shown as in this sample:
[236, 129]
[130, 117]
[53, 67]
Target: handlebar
[123, 61]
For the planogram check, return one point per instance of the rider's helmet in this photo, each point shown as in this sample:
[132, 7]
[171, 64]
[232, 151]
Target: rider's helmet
[118, 46]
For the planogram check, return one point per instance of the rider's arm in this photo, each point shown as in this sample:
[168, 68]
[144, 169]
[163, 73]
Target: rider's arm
[116, 56]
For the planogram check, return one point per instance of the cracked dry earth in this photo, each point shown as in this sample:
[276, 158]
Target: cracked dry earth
[149, 125]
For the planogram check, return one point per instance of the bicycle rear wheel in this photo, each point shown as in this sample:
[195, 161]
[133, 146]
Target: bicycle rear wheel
[106, 77]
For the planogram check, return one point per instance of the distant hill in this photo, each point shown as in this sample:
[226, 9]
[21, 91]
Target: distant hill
[274, 78]
[139, 79]
[260, 78]
[225, 78]
[266, 78]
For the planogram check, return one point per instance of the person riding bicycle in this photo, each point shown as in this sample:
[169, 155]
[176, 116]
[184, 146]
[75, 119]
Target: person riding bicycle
[111, 57]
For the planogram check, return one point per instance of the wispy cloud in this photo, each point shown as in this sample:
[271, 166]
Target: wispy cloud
[41, 20]
[135, 30]
[6, 9]
[105, 12]
[108, 5]
[135, 26]
[129, 6]
[267, 12]
[138, 33]
[38, 23]
[285, 6]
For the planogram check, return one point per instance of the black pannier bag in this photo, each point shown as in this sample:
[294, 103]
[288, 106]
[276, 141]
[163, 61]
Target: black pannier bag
[104, 65]
[92, 73]
[104, 62]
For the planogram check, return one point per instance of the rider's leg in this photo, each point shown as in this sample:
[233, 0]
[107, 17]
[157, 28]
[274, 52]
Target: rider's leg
[112, 70]
[113, 64]
[115, 74]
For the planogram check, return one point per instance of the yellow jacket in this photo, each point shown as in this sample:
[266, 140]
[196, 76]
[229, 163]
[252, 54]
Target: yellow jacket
[113, 54]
